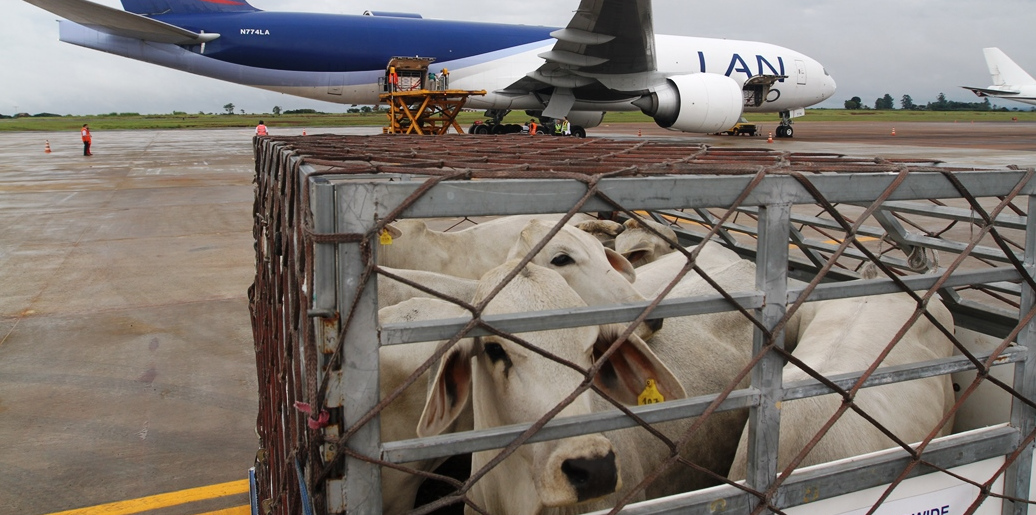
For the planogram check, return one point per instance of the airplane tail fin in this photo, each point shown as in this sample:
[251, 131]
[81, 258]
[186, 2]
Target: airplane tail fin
[1005, 72]
[155, 7]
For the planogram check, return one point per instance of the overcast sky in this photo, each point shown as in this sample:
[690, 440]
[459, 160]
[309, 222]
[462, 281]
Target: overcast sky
[914, 47]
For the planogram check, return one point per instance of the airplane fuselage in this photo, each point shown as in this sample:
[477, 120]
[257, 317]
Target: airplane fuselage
[341, 58]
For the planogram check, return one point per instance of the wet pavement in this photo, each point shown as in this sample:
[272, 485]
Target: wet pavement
[126, 361]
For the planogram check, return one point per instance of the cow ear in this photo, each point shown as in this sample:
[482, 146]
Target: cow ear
[621, 265]
[449, 393]
[625, 375]
[393, 230]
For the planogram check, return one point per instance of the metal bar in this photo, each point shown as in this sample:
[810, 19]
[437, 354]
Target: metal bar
[531, 321]
[864, 287]
[900, 373]
[442, 446]
[359, 360]
[839, 478]
[533, 196]
[322, 198]
[1019, 476]
[432, 330]
[824, 223]
[953, 213]
[771, 277]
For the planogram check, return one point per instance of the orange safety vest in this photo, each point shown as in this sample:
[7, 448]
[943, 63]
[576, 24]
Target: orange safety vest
[86, 134]
[532, 128]
[260, 130]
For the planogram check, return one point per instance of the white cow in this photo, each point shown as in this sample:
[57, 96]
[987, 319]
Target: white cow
[713, 257]
[847, 335]
[641, 246]
[393, 292]
[466, 253]
[400, 418]
[508, 384]
[706, 352]
[599, 275]
[604, 230]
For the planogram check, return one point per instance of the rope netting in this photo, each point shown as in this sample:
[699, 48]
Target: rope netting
[301, 350]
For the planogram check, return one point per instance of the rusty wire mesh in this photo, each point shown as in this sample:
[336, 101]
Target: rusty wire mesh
[299, 455]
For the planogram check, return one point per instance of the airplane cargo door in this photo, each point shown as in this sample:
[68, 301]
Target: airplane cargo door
[334, 84]
[800, 72]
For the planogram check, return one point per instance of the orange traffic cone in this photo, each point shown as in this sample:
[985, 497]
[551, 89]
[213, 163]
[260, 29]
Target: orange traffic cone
[639, 133]
[893, 131]
[303, 132]
[769, 139]
[46, 150]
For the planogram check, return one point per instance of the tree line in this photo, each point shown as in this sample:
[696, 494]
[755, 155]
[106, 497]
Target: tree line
[887, 103]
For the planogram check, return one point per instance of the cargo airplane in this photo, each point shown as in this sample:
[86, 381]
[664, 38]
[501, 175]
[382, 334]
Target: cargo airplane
[1010, 81]
[608, 58]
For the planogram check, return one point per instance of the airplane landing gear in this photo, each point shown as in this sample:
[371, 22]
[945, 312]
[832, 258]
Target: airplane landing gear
[494, 125]
[784, 130]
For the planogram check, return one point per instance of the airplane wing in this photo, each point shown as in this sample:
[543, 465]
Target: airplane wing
[121, 23]
[1000, 93]
[985, 92]
[610, 38]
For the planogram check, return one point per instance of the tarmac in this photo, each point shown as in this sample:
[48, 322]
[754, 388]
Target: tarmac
[126, 363]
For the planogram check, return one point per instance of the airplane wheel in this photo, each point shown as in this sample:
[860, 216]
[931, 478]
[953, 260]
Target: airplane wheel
[578, 131]
[789, 132]
[481, 129]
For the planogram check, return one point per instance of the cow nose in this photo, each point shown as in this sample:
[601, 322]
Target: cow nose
[655, 324]
[592, 478]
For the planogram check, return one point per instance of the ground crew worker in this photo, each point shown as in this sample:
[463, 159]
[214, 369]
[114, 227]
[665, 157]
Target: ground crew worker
[532, 127]
[87, 140]
[445, 78]
[566, 128]
[260, 130]
[557, 127]
[393, 79]
[432, 81]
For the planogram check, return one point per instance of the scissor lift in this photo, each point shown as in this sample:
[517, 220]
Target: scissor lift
[420, 102]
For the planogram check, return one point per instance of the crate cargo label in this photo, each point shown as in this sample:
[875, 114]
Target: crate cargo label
[951, 501]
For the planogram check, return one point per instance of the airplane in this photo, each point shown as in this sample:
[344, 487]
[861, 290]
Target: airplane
[608, 58]
[1010, 81]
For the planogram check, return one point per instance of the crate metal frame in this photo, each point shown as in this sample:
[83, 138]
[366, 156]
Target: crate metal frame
[358, 205]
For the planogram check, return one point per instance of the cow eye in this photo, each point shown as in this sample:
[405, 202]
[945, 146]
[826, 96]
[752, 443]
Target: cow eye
[495, 352]
[562, 260]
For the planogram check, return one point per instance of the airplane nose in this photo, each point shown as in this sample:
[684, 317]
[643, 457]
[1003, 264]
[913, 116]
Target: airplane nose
[830, 87]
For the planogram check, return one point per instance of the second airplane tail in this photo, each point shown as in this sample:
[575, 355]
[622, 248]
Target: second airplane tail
[1005, 71]
[155, 7]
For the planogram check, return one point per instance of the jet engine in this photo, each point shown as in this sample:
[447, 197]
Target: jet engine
[586, 119]
[701, 102]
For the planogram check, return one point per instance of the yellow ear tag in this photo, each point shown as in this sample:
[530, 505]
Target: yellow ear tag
[650, 395]
[386, 238]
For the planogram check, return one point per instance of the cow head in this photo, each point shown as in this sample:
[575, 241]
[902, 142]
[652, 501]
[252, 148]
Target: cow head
[641, 246]
[509, 383]
[600, 276]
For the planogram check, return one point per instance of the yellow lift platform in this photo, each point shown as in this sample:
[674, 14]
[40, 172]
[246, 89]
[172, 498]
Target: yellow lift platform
[421, 102]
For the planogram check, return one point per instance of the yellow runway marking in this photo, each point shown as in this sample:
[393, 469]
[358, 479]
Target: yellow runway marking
[159, 501]
[240, 510]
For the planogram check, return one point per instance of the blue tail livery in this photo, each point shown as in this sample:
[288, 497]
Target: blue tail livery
[159, 7]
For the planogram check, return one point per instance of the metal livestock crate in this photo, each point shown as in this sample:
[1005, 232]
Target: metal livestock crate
[322, 202]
